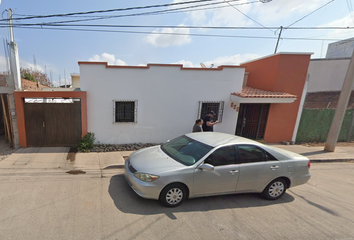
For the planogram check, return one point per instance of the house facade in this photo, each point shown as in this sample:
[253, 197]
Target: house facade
[157, 102]
[261, 99]
[326, 77]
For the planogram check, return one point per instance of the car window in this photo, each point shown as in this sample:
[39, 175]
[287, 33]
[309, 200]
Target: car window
[185, 150]
[222, 156]
[250, 154]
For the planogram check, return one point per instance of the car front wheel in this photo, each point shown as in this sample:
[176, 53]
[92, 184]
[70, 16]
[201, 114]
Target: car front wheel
[275, 189]
[173, 195]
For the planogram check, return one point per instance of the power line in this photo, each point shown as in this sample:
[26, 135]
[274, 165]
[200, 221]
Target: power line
[350, 8]
[246, 15]
[112, 10]
[175, 10]
[311, 13]
[174, 26]
[179, 34]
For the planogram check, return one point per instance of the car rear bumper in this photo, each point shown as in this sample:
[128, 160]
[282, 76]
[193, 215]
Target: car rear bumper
[300, 180]
[144, 189]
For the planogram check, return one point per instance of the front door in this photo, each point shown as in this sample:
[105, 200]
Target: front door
[224, 177]
[252, 120]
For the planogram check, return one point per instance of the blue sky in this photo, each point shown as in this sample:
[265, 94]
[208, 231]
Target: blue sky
[56, 50]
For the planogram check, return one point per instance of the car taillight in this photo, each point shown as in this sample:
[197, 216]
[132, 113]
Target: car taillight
[309, 164]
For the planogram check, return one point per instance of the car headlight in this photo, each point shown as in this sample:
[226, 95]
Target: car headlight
[145, 177]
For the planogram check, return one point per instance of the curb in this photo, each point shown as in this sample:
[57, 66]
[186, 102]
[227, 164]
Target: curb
[119, 166]
[331, 160]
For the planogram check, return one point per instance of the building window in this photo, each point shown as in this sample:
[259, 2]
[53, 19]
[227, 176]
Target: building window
[125, 111]
[217, 107]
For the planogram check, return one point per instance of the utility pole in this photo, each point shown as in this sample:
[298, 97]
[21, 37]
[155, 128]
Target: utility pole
[14, 82]
[341, 109]
[276, 46]
[14, 59]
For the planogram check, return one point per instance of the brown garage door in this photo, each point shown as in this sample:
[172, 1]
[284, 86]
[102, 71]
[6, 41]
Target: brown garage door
[53, 124]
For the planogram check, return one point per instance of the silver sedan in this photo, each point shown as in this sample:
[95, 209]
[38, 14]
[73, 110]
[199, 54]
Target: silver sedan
[208, 163]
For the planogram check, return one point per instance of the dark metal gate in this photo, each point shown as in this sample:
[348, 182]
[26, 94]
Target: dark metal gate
[53, 124]
[252, 120]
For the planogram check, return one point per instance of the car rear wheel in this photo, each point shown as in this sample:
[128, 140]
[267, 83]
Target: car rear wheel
[173, 195]
[275, 189]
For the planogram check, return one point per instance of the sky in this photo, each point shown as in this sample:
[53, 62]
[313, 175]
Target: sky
[167, 36]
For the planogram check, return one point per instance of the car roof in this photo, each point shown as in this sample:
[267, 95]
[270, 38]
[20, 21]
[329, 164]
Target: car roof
[215, 139]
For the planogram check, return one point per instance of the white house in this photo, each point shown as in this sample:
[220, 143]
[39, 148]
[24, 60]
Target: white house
[157, 102]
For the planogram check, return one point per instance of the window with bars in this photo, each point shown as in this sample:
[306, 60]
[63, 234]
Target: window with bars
[216, 107]
[125, 111]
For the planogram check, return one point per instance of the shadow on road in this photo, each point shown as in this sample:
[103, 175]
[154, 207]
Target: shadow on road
[127, 201]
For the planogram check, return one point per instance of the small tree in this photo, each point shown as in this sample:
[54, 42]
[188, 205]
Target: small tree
[35, 76]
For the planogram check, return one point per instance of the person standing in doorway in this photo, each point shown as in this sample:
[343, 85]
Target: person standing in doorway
[208, 122]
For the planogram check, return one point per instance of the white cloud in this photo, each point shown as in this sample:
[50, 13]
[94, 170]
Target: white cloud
[232, 60]
[284, 9]
[186, 63]
[167, 38]
[264, 13]
[106, 57]
[221, 15]
[342, 22]
[225, 60]
[23, 64]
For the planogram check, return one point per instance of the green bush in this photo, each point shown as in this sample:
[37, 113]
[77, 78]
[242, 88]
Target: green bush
[87, 142]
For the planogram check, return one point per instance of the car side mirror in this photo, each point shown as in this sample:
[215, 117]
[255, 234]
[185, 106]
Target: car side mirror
[207, 167]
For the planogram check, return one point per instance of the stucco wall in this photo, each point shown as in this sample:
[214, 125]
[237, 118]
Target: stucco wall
[283, 72]
[327, 74]
[167, 99]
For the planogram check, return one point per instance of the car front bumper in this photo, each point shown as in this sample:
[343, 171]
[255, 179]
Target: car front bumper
[149, 190]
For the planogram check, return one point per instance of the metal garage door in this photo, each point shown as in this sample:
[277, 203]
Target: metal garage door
[53, 124]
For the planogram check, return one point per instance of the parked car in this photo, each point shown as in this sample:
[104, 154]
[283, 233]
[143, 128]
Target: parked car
[210, 163]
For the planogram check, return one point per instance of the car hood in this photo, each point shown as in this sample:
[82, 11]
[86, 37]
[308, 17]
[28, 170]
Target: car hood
[153, 160]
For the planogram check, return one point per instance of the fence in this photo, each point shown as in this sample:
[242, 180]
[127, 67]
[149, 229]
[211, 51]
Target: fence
[315, 124]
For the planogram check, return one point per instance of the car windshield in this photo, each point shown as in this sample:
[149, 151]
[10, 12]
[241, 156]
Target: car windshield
[185, 150]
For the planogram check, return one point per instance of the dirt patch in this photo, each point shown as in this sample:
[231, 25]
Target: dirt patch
[75, 172]
[72, 154]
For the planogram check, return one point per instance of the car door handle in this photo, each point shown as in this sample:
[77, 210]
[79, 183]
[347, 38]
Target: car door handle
[274, 167]
[233, 172]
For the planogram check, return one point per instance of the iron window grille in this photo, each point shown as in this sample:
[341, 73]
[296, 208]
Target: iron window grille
[125, 111]
[216, 107]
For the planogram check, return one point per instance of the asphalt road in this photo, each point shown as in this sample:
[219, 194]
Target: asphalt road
[51, 204]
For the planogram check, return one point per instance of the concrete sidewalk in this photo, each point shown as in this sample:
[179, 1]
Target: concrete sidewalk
[61, 159]
[317, 154]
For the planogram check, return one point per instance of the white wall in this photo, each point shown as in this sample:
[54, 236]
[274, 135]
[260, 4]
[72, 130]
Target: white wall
[327, 74]
[75, 81]
[167, 100]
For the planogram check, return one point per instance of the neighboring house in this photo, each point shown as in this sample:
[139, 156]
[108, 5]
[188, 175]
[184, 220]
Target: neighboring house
[260, 99]
[326, 77]
[75, 80]
[340, 49]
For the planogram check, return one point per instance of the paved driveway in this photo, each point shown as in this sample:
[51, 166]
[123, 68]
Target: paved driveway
[51, 204]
